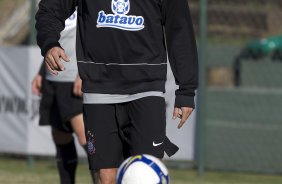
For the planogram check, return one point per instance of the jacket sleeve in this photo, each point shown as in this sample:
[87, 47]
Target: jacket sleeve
[50, 21]
[182, 50]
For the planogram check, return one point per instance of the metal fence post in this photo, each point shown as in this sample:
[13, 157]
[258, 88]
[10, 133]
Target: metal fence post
[32, 31]
[201, 93]
[32, 41]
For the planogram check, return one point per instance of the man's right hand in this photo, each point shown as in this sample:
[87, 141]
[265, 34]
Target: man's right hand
[53, 60]
[77, 87]
[36, 85]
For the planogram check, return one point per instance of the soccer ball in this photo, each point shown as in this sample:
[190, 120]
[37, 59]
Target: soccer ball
[142, 169]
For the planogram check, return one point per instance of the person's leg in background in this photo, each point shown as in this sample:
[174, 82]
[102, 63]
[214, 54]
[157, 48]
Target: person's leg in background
[68, 110]
[66, 155]
[77, 125]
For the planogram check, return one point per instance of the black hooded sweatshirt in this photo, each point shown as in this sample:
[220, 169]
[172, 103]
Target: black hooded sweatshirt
[122, 45]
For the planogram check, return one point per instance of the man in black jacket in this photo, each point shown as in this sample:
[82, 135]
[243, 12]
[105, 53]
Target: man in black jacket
[61, 106]
[122, 60]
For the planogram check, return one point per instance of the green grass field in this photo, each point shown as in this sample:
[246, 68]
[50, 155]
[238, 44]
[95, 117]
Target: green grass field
[16, 171]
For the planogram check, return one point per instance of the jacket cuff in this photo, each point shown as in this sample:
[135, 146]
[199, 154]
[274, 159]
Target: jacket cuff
[48, 47]
[184, 101]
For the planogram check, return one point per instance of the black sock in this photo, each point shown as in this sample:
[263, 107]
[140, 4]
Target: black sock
[66, 162]
[94, 174]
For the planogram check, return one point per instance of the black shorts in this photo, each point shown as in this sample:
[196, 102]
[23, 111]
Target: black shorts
[58, 105]
[117, 131]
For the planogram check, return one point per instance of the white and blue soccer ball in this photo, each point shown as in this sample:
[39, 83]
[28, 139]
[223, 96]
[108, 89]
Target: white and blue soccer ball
[142, 169]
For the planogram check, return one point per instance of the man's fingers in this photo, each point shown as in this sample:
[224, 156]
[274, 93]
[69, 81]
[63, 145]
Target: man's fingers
[50, 69]
[52, 62]
[79, 93]
[74, 89]
[77, 87]
[63, 55]
[39, 84]
[184, 118]
[34, 88]
[58, 62]
[77, 90]
[186, 112]
[175, 113]
[180, 124]
[36, 85]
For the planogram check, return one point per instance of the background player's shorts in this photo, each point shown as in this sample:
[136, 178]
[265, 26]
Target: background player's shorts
[116, 131]
[58, 105]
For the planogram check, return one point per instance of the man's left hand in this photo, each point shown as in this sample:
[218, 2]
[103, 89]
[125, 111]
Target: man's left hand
[182, 113]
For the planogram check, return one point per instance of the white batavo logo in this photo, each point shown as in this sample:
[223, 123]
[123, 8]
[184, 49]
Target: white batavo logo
[120, 19]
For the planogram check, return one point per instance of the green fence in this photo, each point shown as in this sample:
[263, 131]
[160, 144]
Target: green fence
[242, 125]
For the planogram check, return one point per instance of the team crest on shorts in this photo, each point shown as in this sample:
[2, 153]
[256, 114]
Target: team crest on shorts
[120, 19]
[90, 143]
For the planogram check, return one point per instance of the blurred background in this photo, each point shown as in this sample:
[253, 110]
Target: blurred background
[234, 136]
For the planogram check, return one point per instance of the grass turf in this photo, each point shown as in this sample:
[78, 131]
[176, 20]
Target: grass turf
[16, 170]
